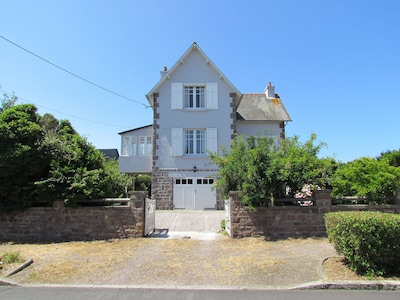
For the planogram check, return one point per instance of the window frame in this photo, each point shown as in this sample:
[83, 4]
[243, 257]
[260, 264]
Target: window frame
[194, 142]
[197, 101]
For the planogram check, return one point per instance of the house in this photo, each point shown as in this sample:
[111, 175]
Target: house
[110, 153]
[196, 109]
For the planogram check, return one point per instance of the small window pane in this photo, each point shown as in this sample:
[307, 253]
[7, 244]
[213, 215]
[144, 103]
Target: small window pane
[178, 181]
[184, 181]
[190, 181]
[211, 181]
[198, 181]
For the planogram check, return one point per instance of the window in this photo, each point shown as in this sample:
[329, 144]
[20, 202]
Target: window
[194, 141]
[145, 145]
[149, 145]
[125, 145]
[194, 97]
[134, 145]
[129, 146]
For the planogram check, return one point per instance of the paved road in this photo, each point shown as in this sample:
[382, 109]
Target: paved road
[193, 224]
[95, 293]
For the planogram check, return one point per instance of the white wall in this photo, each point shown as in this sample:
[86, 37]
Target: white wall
[193, 70]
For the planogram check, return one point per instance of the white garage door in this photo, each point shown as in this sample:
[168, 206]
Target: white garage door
[194, 193]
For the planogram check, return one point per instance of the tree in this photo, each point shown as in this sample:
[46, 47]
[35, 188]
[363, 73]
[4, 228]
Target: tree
[392, 157]
[7, 102]
[76, 168]
[263, 168]
[376, 180]
[22, 160]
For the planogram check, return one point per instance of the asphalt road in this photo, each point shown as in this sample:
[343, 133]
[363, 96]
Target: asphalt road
[96, 293]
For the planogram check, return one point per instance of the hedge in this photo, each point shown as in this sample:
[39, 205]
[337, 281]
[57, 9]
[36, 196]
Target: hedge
[370, 241]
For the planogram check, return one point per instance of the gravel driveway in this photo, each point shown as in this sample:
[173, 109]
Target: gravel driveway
[193, 224]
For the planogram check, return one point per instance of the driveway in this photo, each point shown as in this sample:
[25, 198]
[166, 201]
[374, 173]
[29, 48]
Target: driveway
[189, 224]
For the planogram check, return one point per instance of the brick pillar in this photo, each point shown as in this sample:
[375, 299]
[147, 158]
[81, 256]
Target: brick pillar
[323, 200]
[136, 202]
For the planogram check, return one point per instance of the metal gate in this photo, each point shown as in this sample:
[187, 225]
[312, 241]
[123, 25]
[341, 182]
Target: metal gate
[149, 216]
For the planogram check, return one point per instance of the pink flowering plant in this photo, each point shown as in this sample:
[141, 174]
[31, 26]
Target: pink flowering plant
[306, 193]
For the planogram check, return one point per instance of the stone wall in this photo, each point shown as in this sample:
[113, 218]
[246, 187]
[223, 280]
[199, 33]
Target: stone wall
[59, 223]
[279, 222]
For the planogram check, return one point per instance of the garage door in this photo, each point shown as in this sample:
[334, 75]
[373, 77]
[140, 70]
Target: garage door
[194, 193]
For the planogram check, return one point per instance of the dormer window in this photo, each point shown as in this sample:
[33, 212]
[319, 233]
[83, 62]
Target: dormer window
[194, 97]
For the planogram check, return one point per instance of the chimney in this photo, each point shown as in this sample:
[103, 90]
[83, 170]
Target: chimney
[270, 91]
[163, 72]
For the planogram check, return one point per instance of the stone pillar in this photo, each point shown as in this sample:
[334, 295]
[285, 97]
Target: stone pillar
[323, 200]
[136, 202]
[235, 204]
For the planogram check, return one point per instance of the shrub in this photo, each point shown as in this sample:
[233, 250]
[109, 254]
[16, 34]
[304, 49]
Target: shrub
[370, 241]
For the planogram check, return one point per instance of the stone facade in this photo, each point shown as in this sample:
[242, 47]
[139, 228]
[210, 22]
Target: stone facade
[278, 222]
[60, 224]
[162, 188]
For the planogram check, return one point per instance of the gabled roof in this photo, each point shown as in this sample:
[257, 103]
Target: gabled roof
[134, 129]
[193, 47]
[257, 107]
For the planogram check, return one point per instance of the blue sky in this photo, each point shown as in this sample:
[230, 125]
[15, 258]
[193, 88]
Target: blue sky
[335, 64]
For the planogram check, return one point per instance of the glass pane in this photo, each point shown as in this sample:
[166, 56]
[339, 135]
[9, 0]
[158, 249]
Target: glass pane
[189, 142]
[190, 181]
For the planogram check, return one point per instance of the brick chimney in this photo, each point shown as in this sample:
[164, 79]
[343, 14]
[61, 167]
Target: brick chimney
[163, 72]
[270, 91]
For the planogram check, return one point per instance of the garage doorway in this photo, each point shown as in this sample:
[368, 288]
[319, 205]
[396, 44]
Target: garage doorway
[194, 193]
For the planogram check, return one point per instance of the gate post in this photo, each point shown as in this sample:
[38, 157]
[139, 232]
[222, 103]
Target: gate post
[136, 202]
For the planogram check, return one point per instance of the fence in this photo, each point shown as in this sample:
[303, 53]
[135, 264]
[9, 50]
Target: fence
[59, 223]
[278, 222]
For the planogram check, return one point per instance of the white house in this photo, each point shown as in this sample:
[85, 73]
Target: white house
[196, 110]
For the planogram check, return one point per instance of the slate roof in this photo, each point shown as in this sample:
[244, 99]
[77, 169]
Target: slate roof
[257, 107]
[110, 153]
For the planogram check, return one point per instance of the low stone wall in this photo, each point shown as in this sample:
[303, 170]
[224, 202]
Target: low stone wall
[59, 223]
[279, 222]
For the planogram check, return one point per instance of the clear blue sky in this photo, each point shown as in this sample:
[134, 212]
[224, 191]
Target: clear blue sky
[335, 64]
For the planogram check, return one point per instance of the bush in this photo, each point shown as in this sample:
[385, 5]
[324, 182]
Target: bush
[370, 241]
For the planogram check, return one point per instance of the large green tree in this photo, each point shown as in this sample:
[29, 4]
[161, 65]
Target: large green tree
[22, 160]
[263, 167]
[376, 180]
[43, 159]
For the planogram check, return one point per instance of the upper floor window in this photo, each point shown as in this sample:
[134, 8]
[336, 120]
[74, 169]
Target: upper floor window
[194, 97]
[194, 142]
[130, 145]
[145, 145]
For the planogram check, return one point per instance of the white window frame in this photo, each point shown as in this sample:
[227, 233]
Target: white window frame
[209, 96]
[194, 97]
[149, 145]
[145, 145]
[125, 146]
[133, 143]
[178, 141]
[194, 142]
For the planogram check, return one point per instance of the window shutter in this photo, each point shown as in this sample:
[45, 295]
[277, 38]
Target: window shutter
[212, 140]
[212, 95]
[176, 95]
[176, 141]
